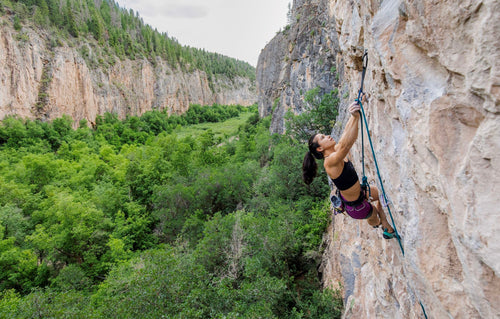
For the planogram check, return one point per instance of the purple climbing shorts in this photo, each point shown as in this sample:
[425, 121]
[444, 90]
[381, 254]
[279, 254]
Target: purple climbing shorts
[358, 209]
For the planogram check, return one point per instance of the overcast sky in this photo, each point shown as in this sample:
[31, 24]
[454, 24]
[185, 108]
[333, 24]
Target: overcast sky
[236, 28]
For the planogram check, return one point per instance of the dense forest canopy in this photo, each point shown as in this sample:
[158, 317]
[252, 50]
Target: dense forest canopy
[129, 220]
[118, 32]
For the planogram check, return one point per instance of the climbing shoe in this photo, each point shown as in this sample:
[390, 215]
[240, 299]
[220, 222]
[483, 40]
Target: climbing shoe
[388, 235]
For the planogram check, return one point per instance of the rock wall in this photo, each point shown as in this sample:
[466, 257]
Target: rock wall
[434, 114]
[41, 81]
[300, 58]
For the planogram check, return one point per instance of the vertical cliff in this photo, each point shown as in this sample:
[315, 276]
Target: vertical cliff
[434, 85]
[300, 58]
[41, 80]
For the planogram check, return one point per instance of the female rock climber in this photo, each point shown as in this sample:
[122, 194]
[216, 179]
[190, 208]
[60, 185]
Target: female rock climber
[356, 202]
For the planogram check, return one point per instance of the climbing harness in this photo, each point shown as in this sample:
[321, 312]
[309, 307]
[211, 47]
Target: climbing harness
[365, 179]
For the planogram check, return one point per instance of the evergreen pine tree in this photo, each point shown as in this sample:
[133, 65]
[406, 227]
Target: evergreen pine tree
[70, 20]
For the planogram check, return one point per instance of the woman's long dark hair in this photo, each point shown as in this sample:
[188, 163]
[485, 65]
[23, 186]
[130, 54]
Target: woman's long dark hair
[309, 166]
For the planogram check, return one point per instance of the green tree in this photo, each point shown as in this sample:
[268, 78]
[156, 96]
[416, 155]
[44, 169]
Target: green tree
[41, 13]
[318, 116]
[95, 25]
[55, 15]
[71, 231]
[70, 19]
[19, 266]
[12, 131]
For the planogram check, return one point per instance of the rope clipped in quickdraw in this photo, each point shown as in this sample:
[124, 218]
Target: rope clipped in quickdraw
[364, 183]
[364, 180]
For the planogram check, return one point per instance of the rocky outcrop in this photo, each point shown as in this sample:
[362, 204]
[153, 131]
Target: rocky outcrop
[300, 58]
[434, 114]
[41, 81]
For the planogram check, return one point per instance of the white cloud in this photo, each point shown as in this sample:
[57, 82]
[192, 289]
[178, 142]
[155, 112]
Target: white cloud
[236, 28]
[170, 8]
[183, 11]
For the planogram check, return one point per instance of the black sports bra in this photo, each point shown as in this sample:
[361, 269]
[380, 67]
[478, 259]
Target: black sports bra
[347, 178]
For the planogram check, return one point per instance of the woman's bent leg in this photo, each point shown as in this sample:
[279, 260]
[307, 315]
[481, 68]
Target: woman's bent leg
[378, 211]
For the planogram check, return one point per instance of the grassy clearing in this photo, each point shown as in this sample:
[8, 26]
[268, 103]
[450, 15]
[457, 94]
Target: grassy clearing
[221, 129]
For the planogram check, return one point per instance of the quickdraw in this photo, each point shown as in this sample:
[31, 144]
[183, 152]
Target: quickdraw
[364, 180]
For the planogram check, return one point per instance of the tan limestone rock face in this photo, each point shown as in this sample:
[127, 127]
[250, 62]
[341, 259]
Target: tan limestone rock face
[71, 90]
[433, 80]
[21, 66]
[434, 116]
[38, 81]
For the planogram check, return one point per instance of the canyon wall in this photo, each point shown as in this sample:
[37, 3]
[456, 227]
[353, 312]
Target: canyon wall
[433, 83]
[40, 80]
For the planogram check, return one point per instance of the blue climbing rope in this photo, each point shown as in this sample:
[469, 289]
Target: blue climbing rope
[365, 179]
[380, 179]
